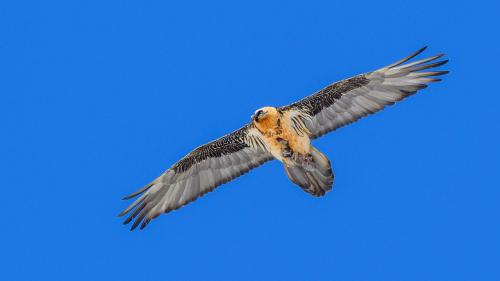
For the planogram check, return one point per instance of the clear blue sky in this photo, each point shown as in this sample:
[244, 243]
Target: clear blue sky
[99, 97]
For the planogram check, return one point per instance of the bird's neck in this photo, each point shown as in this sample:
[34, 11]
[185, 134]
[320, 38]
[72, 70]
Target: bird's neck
[270, 125]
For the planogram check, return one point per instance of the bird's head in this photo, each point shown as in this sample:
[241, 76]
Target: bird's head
[264, 114]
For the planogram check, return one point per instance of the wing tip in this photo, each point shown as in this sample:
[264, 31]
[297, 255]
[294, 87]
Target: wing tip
[427, 66]
[141, 190]
[441, 72]
[422, 49]
[405, 59]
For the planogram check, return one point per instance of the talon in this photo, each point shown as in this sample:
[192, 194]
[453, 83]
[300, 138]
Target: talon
[308, 158]
[287, 153]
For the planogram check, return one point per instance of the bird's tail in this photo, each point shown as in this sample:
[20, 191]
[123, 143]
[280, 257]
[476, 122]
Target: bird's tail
[315, 177]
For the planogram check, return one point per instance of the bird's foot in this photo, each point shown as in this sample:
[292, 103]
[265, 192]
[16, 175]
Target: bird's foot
[286, 151]
[308, 158]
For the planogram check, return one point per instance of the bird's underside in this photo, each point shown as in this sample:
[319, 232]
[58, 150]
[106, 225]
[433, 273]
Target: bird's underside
[285, 134]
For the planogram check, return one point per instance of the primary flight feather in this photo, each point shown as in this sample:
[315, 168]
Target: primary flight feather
[285, 134]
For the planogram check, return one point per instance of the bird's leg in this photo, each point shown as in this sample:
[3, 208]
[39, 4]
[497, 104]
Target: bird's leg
[286, 151]
[308, 158]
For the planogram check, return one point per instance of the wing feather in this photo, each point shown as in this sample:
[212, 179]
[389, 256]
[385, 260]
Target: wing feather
[346, 101]
[199, 172]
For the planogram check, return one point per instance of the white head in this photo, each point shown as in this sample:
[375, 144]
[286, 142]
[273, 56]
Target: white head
[263, 113]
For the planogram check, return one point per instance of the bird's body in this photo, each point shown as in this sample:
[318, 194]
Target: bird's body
[290, 144]
[279, 135]
[282, 133]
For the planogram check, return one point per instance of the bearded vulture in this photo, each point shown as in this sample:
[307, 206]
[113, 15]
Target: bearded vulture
[283, 133]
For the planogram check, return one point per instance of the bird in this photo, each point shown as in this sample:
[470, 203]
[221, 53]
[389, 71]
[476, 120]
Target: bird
[285, 134]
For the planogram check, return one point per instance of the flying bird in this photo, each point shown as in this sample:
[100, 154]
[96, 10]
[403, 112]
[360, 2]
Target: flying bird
[283, 133]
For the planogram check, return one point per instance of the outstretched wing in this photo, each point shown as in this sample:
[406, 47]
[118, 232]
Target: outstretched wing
[346, 101]
[199, 172]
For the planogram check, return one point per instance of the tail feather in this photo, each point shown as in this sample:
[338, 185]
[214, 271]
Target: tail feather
[315, 178]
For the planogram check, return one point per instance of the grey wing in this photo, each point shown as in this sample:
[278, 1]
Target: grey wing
[346, 101]
[199, 172]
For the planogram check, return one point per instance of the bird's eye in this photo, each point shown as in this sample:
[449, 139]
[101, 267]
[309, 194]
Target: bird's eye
[257, 115]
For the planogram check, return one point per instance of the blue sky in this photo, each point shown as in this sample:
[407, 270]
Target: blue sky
[97, 98]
